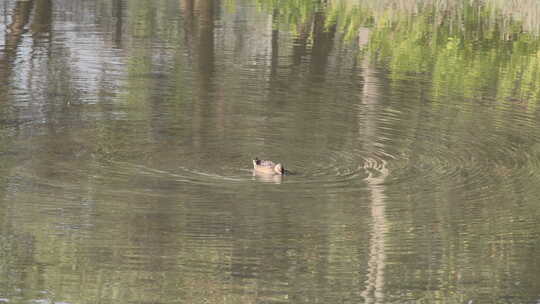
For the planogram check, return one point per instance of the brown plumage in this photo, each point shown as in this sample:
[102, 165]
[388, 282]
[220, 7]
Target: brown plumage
[268, 167]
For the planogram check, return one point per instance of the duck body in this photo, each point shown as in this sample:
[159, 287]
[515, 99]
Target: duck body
[267, 167]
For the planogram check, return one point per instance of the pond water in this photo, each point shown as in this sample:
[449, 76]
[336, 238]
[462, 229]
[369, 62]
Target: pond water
[128, 128]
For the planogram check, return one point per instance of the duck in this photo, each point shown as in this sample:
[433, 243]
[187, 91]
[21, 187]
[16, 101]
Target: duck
[267, 167]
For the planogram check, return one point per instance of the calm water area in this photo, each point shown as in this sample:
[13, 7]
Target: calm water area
[410, 130]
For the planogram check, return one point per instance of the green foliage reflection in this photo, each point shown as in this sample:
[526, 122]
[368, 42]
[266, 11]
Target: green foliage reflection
[467, 48]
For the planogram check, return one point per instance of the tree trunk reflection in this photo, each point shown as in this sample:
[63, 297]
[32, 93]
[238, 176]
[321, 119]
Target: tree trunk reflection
[377, 173]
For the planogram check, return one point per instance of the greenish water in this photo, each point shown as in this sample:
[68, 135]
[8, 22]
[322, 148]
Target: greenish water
[127, 130]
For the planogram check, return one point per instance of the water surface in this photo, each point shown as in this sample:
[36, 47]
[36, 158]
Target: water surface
[127, 130]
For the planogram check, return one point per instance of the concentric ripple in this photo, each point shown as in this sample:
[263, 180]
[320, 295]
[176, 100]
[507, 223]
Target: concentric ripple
[477, 163]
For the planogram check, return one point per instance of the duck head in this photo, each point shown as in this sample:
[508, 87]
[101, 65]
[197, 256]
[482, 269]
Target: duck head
[279, 169]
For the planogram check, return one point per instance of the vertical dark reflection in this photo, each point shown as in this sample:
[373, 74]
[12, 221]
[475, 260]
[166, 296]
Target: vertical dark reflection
[199, 32]
[274, 82]
[42, 19]
[41, 27]
[187, 9]
[40, 15]
[321, 35]
[205, 47]
[300, 43]
[323, 40]
[275, 46]
[14, 32]
[17, 27]
[299, 51]
[118, 16]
